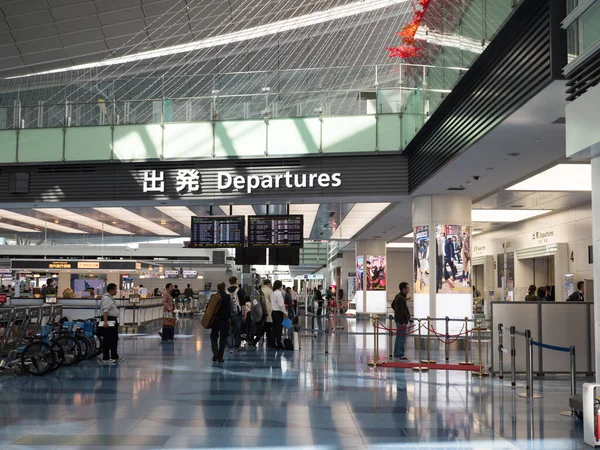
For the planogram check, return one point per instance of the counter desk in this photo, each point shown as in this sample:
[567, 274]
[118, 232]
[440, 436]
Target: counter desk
[147, 310]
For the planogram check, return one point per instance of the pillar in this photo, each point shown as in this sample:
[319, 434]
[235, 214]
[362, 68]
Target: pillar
[64, 282]
[596, 239]
[371, 276]
[442, 274]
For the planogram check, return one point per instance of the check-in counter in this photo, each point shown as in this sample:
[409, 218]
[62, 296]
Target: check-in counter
[561, 324]
[147, 310]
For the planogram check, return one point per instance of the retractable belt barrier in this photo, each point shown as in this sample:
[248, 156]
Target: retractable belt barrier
[529, 343]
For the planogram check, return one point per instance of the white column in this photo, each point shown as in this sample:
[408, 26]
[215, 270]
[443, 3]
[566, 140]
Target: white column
[596, 238]
[64, 281]
[440, 297]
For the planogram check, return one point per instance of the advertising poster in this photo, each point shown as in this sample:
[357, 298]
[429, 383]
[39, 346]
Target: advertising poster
[375, 273]
[359, 273]
[453, 250]
[421, 259]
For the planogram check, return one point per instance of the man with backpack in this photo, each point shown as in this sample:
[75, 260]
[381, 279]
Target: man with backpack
[220, 326]
[238, 300]
[266, 292]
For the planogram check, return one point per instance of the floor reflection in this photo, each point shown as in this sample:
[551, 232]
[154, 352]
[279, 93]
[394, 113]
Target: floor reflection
[171, 395]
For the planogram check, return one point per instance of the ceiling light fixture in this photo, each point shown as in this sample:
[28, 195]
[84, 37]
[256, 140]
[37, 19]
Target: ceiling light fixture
[38, 222]
[560, 178]
[506, 215]
[125, 215]
[181, 214]
[8, 226]
[70, 216]
[399, 245]
[358, 218]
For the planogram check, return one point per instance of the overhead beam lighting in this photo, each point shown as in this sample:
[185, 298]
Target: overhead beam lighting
[137, 221]
[181, 214]
[8, 226]
[560, 178]
[506, 215]
[399, 245]
[239, 210]
[38, 222]
[359, 217]
[310, 215]
[82, 220]
[409, 235]
[306, 20]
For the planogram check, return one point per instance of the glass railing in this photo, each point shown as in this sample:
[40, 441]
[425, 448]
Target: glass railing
[452, 37]
[583, 30]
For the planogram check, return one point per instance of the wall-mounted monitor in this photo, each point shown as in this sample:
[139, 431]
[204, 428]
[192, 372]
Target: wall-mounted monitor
[276, 231]
[218, 232]
[284, 256]
[251, 256]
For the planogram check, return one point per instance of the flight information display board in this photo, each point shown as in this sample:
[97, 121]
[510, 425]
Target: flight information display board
[218, 232]
[275, 231]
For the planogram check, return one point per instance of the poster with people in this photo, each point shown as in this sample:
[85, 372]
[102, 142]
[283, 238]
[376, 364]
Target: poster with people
[421, 259]
[453, 250]
[375, 273]
[359, 273]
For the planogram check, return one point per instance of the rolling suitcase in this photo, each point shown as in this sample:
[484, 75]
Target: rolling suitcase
[211, 311]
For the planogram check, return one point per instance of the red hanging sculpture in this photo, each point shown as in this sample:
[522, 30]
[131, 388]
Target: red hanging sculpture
[408, 48]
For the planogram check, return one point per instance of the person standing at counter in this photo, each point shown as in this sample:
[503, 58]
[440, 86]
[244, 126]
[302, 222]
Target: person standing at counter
[577, 296]
[110, 325]
[50, 288]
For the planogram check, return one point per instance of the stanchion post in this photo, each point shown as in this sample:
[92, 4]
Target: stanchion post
[513, 358]
[327, 340]
[390, 334]
[447, 345]
[429, 360]
[501, 350]
[376, 362]
[573, 372]
[466, 362]
[480, 373]
[420, 368]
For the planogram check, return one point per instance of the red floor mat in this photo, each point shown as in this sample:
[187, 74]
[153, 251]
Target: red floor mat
[410, 365]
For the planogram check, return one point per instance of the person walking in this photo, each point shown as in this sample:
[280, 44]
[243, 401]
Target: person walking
[238, 300]
[109, 325]
[268, 324]
[319, 299]
[189, 292]
[167, 300]
[258, 315]
[278, 314]
[220, 328]
[402, 318]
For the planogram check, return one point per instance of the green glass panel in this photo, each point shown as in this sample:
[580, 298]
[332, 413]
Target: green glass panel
[8, 146]
[389, 132]
[188, 140]
[294, 136]
[137, 142]
[41, 145]
[349, 134]
[240, 138]
[88, 144]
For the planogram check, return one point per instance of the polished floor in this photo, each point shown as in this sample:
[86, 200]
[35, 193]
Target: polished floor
[171, 395]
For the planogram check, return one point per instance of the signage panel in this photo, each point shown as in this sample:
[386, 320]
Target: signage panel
[171, 273]
[276, 231]
[88, 265]
[190, 273]
[218, 232]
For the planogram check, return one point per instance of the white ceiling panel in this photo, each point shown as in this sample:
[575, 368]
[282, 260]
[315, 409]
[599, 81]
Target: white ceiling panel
[89, 48]
[116, 5]
[82, 37]
[121, 16]
[18, 7]
[40, 45]
[38, 32]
